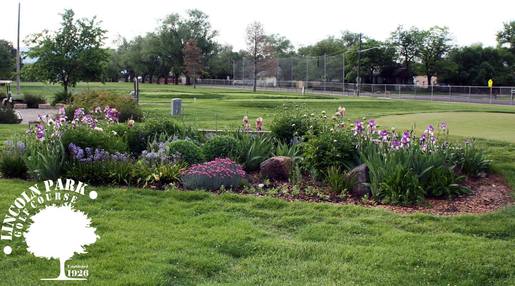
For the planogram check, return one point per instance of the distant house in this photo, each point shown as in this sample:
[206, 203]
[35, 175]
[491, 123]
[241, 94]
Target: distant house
[421, 80]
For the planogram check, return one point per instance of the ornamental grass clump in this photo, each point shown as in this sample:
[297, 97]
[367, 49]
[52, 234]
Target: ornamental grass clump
[12, 164]
[213, 175]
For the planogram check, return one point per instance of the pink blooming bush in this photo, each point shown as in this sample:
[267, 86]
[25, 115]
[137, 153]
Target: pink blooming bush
[213, 175]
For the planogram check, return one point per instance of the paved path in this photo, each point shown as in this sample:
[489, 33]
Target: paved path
[31, 114]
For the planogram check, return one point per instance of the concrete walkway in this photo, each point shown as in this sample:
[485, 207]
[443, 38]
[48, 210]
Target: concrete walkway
[31, 114]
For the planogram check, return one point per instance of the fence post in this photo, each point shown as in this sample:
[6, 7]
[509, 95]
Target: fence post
[450, 93]
[512, 92]
[399, 91]
[431, 91]
[469, 93]
[385, 89]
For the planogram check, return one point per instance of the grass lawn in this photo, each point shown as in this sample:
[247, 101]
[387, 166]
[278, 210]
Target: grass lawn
[485, 125]
[196, 238]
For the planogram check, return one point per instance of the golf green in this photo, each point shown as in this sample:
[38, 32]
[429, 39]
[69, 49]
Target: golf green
[486, 125]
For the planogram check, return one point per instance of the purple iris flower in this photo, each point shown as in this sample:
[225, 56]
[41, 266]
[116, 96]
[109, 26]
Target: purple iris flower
[40, 132]
[358, 127]
[384, 135]
[406, 138]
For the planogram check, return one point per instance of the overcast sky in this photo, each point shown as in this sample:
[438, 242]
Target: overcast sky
[303, 22]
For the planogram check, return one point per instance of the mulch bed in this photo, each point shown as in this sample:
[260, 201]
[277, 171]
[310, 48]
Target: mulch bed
[488, 194]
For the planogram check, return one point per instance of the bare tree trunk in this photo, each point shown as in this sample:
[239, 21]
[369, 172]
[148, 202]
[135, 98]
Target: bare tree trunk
[255, 75]
[194, 81]
[429, 80]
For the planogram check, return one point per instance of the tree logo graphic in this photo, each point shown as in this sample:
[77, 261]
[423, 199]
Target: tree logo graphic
[46, 219]
[59, 233]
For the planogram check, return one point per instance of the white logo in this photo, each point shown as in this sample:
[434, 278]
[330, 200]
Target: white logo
[50, 224]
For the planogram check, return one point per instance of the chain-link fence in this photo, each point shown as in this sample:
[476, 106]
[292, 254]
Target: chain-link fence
[274, 70]
[474, 94]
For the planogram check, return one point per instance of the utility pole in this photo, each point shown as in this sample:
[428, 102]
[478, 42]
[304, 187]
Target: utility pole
[233, 70]
[358, 80]
[343, 73]
[18, 54]
[325, 70]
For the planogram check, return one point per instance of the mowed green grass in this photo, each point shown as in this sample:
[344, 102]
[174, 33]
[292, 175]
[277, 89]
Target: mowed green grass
[196, 238]
[485, 125]
[224, 108]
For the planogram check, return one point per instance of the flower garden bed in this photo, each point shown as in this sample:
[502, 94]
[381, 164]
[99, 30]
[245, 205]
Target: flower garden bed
[307, 156]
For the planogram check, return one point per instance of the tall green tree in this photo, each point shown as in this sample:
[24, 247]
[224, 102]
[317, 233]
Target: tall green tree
[475, 65]
[432, 48]
[507, 36]
[407, 43]
[220, 66]
[7, 60]
[281, 46]
[72, 53]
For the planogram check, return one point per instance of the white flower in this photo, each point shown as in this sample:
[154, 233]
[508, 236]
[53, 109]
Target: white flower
[261, 186]
[98, 129]
[114, 133]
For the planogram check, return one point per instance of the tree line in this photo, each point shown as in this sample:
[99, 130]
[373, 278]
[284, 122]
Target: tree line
[185, 45]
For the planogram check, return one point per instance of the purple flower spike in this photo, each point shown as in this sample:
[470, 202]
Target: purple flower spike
[40, 132]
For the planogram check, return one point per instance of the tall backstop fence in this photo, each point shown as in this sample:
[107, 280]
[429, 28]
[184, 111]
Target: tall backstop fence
[474, 94]
[323, 68]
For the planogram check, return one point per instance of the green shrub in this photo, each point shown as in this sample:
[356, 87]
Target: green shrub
[33, 101]
[288, 125]
[139, 136]
[164, 174]
[469, 159]
[220, 147]
[442, 182]
[8, 116]
[187, 151]
[330, 149]
[408, 175]
[399, 186]
[12, 164]
[126, 106]
[62, 97]
[45, 160]
[252, 150]
[293, 151]
[110, 172]
[339, 182]
[84, 136]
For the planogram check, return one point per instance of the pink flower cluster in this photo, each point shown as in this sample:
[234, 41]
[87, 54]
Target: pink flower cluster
[110, 113]
[220, 167]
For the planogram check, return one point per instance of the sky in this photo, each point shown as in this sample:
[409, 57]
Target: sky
[303, 22]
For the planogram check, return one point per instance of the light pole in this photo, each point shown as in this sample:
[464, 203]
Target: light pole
[18, 54]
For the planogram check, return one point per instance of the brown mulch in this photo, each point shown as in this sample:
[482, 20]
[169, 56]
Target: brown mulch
[487, 195]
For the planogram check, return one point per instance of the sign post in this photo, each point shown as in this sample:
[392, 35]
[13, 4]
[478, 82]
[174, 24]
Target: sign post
[490, 85]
